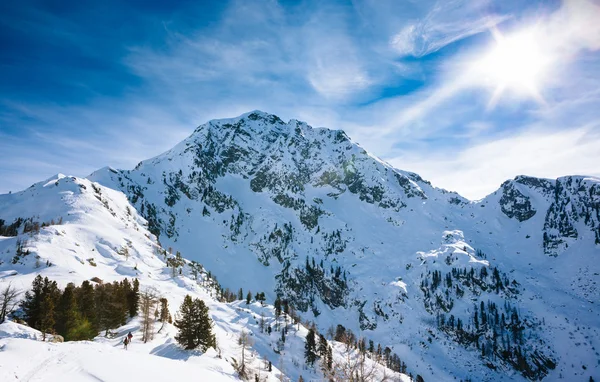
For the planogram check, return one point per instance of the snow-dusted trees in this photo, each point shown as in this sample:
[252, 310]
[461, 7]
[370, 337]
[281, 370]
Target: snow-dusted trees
[277, 306]
[260, 297]
[175, 263]
[196, 269]
[8, 301]
[195, 326]
[310, 347]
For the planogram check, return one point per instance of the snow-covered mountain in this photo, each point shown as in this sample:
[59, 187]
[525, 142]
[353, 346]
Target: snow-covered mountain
[505, 288]
[71, 230]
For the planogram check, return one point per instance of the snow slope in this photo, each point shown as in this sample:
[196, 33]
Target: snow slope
[96, 223]
[27, 359]
[256, 199]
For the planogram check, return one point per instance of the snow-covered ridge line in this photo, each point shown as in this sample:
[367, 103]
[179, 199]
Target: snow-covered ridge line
[306, 214]
[103, 238]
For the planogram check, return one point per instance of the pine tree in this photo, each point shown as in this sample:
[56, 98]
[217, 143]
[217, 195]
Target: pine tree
[195, 325]
[310, 347]
[277, 306]
[67, 312]
[240, 295]
[322, 346]
[50, 296]
[102, 308]
[286, 307]
[111, 306]
[248, 298]
[277, 311]
[85, 296]
[31, 303]
[164, 310]
[260, 297]
[206, 338]
[186, 336]
[47, 320]
[126, 290]
[133, 298]
[120, 304]
[329, 358]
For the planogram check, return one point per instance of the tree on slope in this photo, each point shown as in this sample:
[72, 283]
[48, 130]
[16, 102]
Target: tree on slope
[110, 306]
[32, 302]
[195, 326]
[244, 341]
[133, 298]
[164, 314]
[47, 315]
[148, 299]
[49, 296]
[322, 346]
[260, 297]
[310, 347]
[8, 301]
[66, 312]
[86, 305]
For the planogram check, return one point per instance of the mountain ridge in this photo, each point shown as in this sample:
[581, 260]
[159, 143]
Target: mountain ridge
[307, 214]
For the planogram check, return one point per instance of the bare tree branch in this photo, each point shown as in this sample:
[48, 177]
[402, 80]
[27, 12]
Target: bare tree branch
[8, 301]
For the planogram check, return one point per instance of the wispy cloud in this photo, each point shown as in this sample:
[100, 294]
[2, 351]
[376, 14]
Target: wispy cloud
[446, 22]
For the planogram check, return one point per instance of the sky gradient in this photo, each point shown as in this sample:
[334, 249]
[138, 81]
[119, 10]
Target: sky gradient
[84, 85]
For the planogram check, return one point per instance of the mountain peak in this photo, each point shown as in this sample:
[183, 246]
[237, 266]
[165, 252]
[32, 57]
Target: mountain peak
[261, 115]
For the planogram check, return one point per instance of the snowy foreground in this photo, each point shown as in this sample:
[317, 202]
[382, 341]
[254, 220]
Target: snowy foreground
[25, 358]
[97, 223]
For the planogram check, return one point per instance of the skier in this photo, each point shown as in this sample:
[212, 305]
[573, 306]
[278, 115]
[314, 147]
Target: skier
[125, 342]
[129, 337]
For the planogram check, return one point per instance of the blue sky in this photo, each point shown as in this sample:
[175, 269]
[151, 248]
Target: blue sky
[421, 84]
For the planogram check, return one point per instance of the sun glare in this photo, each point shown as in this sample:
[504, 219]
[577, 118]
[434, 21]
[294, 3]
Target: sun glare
[515, 63]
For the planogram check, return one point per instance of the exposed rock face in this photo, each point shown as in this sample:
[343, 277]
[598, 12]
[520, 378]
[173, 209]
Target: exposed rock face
[514, 204]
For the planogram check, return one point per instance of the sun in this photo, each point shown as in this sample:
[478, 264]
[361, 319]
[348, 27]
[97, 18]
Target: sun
[516, 63]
